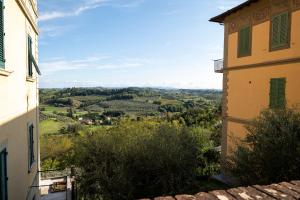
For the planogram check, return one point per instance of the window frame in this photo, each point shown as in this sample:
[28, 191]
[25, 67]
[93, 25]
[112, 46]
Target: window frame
[288, 45]
[29, 55]
[274, 103]
[239, 54]
[31, 156]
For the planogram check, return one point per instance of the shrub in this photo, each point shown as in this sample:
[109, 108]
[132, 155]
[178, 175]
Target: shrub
[55, 151]
[271, 150]
[113, 113]
[140, 159]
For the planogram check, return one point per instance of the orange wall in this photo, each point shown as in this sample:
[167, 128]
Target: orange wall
[248, 89]
[246, 100]
[235, 132]
[260, 44]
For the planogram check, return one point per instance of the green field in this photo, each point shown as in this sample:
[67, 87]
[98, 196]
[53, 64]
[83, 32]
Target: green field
[50, 126]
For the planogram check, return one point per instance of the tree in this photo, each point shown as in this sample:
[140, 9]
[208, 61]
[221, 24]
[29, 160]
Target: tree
[271, 150]
[142, 159]
[70, 113]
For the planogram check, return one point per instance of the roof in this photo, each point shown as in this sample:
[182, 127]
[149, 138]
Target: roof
[220, 18]
[284, 190]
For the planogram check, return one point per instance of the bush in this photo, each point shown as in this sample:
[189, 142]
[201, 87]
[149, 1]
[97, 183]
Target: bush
[142, 159]
[271, 150]
[55, 151]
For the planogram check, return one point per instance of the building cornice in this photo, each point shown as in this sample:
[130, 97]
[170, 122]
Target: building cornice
[34, 7]
[258, 13]
[28, 16]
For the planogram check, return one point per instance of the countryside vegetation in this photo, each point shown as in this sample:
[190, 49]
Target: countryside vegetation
[137, 141]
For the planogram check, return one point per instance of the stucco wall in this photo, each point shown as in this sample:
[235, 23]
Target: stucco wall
[260, 44]
[247, 84]
[18, 100]
[248, 89]
[14, 138]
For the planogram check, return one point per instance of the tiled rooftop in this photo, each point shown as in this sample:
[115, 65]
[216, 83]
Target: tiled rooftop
[284, 190]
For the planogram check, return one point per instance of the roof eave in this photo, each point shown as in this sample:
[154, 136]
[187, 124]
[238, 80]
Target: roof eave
[220, 18]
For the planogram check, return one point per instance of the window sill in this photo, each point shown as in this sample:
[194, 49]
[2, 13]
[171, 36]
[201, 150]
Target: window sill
[3, 72]
[30, 79]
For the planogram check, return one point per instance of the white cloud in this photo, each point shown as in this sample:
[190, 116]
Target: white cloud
[93, 63]
[53, 31]
[88, 5]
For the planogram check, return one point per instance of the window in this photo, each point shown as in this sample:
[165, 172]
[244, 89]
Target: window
[2, 59]
[3, 175]
[244, 44]
[30, 57]
[280, 31]
[277, 93]
[30, 146]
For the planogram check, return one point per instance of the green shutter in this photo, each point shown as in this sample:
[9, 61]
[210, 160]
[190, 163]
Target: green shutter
[284, 29]
[30, 147]
[277, 93]
[280, 31]
[3, 175]
[29, 56]
[276, 31]
[244, 42]
[2, 59]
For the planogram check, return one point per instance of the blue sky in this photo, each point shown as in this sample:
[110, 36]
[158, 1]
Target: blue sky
[121, 43]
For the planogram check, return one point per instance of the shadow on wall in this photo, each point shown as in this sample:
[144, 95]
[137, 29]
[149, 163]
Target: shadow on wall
[22, 163]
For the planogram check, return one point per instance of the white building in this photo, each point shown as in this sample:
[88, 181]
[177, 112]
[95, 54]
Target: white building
[19, 136]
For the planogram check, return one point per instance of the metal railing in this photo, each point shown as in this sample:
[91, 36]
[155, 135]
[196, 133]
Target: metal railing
[33, 189]
[56, 184]
[219, 65]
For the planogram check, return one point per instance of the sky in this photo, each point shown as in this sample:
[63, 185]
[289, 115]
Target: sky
[130, 43]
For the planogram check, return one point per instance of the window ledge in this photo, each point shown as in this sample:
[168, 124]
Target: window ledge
[30, 79]
[4, 72]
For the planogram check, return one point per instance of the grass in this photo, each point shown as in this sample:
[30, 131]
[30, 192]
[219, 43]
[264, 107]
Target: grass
[50, 109]
[50, 126]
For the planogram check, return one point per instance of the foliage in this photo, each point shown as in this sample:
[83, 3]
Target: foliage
[132, 101]
[271, 151]
[170, 108]
[138, 159]
[217, 134]
[71, 129]
[55, 151]
[121, 97]
[50, 126]
[205, 118]
[113, 113]
[70, 113]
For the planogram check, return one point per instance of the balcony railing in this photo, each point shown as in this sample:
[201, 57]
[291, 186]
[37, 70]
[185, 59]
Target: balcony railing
[219, 65]
[56, 184]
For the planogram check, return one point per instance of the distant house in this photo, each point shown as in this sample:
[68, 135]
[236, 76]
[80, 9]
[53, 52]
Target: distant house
[19, 135]
[87, 122]
[261, 66]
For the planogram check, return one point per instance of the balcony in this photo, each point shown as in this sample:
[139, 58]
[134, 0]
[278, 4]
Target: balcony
[219, 65]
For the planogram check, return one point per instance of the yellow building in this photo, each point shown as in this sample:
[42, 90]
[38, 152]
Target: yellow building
[19, 137]
[261, 66]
